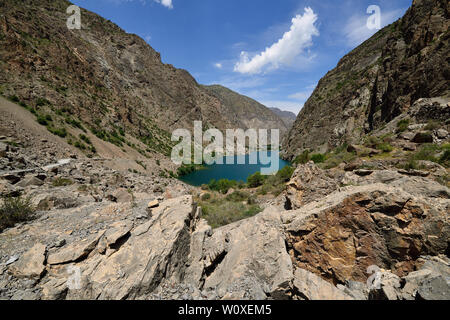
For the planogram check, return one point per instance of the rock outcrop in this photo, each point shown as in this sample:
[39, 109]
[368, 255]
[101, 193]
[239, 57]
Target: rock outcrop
[321, 251]
[341, 236]
[248, 259]
[307, 184]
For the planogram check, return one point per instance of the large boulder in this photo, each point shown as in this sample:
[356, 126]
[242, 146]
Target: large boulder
[431, 282]
[311, 287]
[134, 262]
[248, 259]
[30, 181]
[308, 183]
[342, 235]
[31, 264]
[120, 195]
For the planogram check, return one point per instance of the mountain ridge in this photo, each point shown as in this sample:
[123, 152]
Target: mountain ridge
[377, 81]
[113, 83]
[287, 116]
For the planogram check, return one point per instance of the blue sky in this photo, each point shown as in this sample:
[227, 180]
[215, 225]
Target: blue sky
[274, 51]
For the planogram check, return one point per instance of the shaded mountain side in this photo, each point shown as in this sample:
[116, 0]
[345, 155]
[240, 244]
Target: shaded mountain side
[100, 78]
[287, 116]
[246, 112]
[377, 81]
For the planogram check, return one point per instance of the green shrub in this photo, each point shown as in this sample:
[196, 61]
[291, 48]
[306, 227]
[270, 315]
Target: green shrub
[62, 182]
[427, 152]
[285, 174]
[222, 185]
[206, 197]
[24, 105]
[61, 132]
[42, 102]
[302, 158]
[186, 169]
[74, 123]
[411, 165]
[42, 120]
[385, 147]
[85, 139]
[14, 210]
[402, 125]
[255, 180]
[318, 158]
[445, 158]
[338, 156]
[79, 145]
[14, 99]
[238, 196]
[221, 212]
[432, 125]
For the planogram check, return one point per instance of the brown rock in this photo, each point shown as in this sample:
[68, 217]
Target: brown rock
[363, 226]
[308, 183]
[31, 264]
[120, 195]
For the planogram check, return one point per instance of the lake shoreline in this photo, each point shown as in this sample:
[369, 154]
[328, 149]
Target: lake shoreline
[236, 172]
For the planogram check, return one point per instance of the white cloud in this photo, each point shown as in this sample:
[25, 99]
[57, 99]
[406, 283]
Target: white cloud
[356, 30]
[283, 52]
[218, 65]
[165, 3]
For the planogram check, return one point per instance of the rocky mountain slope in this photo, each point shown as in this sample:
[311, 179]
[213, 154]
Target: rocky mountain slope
[377, 81]
[247, 112]
[288, 117]
[104, 81]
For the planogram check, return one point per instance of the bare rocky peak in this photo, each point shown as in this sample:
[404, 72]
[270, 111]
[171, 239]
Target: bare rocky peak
[287, 116]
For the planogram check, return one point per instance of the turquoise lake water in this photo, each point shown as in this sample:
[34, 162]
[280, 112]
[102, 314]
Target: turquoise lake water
[238, 172]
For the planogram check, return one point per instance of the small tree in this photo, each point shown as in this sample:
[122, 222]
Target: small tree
[14, 210]
[255, 180]
[285, 174]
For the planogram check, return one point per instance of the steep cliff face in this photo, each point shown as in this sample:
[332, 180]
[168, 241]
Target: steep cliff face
[377, 81]
[108, 79]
